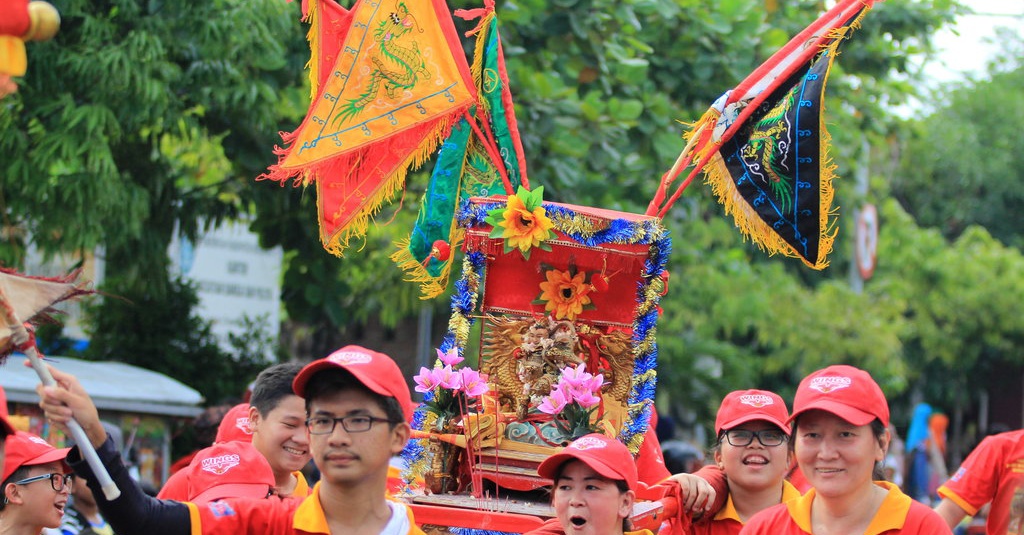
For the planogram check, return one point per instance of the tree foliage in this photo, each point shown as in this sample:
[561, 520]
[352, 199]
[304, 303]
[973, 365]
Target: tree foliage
[956, 241]
[141, 120]
[962, 164]
[171, 339]
[138, 121]
[601, 87]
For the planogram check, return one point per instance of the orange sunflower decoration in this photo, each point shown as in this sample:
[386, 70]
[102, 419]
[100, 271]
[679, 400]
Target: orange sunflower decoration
[522, 222]
[565, 293]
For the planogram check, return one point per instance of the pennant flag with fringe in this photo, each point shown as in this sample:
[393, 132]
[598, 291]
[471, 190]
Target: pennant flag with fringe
[491, 78]
[31, 299]
[390, 79]
[763, 146]
[467, 165]
[426, 255]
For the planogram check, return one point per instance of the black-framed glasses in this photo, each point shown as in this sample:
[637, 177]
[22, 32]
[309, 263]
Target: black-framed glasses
[324, 425]
[744, 437]
[58, 481]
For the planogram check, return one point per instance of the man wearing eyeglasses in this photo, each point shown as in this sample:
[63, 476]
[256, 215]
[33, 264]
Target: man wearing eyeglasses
[35, 485]
[359, 408]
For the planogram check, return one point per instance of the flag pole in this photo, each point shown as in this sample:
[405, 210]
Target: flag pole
[682, 162]
[25, 342]
[750, 92]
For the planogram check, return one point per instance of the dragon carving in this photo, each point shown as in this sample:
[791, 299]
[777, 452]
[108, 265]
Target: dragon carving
[523, 358]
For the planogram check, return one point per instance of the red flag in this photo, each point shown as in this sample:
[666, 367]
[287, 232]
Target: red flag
[385, 97]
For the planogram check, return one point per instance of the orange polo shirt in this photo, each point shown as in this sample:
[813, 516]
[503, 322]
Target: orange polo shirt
[301, 485]
[898, 514]
[268, 517]
[727, 521]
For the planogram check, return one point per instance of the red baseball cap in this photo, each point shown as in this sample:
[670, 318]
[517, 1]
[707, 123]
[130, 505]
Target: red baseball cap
[26, 449]
[849, 393]
[604, 455]
[235, 425]
[374, 370]
[742, 406]
[229, 470]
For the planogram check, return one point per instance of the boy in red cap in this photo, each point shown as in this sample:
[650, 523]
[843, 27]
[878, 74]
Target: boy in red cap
[595, 484]
[274, 422]
[234, 426]
[35, 487]
[840, 424]
[358, 407]
[277, 419]
[229, 470]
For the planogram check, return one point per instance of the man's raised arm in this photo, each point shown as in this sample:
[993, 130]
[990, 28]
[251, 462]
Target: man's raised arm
[133, 511]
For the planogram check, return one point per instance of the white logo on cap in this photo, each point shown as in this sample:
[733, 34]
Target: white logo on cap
[829, 384]
[756, 400]
[243, 424]
[588, 443]
[38, 440]
[221, 464]
[350, 357]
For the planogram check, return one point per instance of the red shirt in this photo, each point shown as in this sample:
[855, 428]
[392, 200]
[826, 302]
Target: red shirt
[898, 514]
[176, 487]
[993, 472]
[650, 462]
[258, 517]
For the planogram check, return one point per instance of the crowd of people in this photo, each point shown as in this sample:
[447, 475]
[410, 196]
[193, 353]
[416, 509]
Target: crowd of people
[817, 470]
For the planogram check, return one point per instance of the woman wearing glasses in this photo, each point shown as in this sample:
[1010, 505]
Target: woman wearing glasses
[35, 485]
[840, 429]
[753, 452]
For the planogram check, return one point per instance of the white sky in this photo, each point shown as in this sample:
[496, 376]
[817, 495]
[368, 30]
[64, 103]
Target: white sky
[968, 52]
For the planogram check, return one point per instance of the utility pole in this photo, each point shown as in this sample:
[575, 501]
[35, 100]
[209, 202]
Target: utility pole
[857, 266]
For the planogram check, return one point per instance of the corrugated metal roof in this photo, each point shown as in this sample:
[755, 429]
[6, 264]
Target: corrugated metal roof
[112, 385]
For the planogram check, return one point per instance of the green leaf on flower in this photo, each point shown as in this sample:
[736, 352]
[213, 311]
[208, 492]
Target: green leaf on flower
[531, 199]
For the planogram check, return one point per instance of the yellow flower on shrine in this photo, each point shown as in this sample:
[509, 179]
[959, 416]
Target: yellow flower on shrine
[565, 293]
[525, 228]
[523, 222]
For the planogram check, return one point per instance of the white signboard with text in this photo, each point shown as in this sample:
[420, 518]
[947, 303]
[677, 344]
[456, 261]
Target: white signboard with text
[234, 278]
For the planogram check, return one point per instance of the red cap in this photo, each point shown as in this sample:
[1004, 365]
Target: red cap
[235, 425]
[604, 455]
[849, 393]
[742, 406]
[376, 371]
[26, 449]
[229, 470]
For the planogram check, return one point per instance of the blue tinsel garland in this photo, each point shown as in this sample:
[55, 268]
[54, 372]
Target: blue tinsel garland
[618, 231]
